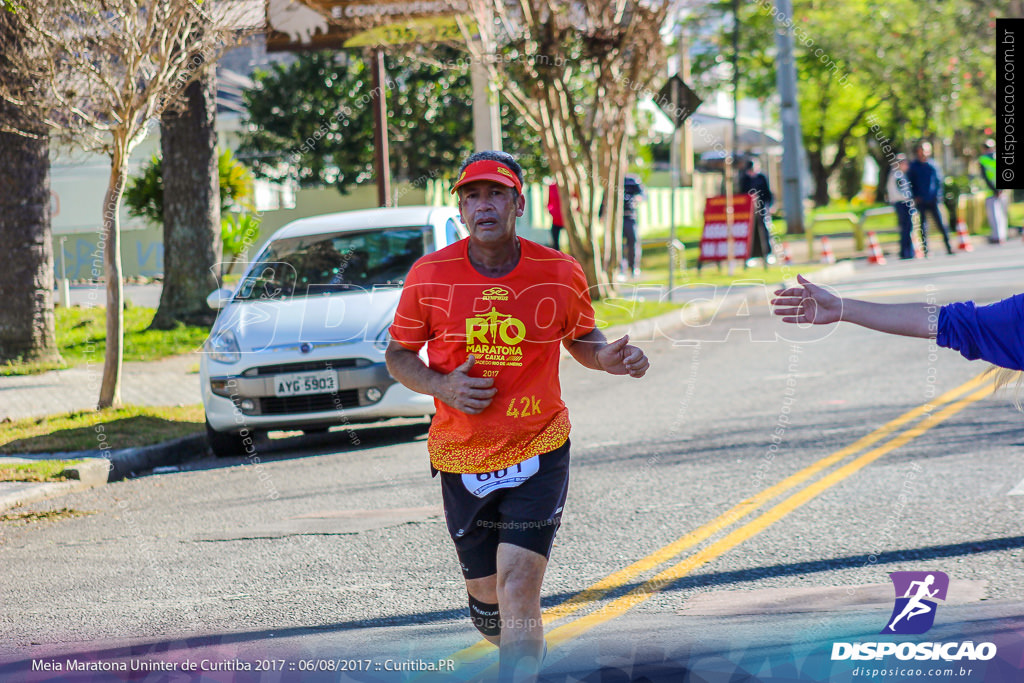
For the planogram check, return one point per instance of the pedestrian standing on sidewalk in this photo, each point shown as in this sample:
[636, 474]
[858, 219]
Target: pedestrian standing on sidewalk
[631, 249]
[994, 332]
[996, 205]
[755, 184]
[898, 194]
[926, 186]
[500, 438]
[557, 217]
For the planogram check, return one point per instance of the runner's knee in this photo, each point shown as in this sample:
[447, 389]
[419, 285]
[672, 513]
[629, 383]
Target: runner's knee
[485, 616]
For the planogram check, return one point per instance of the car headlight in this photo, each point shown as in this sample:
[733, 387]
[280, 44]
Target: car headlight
[383, 338]
[223, 347]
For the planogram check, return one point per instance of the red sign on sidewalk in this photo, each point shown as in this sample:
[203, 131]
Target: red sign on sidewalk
[714, 245]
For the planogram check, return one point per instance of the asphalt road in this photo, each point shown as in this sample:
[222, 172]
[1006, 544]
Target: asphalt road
[727, 521]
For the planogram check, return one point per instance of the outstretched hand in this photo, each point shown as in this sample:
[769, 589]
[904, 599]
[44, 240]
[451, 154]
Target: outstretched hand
[470, 395]
[807, 304]
[619, 358]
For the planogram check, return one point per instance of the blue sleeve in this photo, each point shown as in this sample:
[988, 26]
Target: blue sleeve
[994, 333]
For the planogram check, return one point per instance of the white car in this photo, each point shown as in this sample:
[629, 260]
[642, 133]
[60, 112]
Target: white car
[299, 344]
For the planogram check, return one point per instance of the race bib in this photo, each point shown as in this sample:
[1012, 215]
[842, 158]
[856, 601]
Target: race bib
[485, 482]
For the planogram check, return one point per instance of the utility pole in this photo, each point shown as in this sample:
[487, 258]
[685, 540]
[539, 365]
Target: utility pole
[789, 112]
[381, 158]
[735, 81]
[674, 163]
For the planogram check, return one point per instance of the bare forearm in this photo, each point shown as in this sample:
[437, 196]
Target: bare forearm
[910, 320]
[407, 368]
[584, 349]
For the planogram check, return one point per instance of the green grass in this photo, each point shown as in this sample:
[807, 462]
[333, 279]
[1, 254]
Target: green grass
[882, 222]
[619, 311]
[1017, 213]
[654, 271]
[126, 427]
[36, 471]
[81, 338]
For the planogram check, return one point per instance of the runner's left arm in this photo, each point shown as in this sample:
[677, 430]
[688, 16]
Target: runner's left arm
[592, 350]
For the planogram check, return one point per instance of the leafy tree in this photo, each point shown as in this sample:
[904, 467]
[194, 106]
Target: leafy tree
[910, 69]
[144, 195]
[239, 230]
[311, 119]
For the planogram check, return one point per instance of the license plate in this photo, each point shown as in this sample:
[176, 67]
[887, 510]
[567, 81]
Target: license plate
[299, 383]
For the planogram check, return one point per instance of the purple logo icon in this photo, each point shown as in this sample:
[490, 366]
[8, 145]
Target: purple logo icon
[916, 593]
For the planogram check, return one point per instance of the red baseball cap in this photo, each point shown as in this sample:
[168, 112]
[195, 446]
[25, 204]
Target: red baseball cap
[488, 169]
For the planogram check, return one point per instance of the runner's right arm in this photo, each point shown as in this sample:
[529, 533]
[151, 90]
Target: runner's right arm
[470, 395]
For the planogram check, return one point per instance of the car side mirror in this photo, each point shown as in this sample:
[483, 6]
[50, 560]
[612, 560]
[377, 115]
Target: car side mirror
[219, 298]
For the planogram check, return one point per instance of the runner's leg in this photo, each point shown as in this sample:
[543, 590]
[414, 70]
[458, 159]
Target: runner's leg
[485, 590]
[519, 579]
[473, 525]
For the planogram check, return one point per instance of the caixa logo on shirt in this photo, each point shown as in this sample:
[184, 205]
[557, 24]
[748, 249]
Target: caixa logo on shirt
[913, 613]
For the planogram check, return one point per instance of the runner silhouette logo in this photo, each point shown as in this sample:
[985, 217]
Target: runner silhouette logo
[916, 593]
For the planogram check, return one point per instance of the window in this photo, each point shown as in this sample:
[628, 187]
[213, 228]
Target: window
[333, 263]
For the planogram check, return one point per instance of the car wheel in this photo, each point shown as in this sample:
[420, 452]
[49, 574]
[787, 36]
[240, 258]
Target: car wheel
[225, 444]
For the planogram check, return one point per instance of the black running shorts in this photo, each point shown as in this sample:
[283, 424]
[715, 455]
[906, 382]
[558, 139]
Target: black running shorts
[521, 505]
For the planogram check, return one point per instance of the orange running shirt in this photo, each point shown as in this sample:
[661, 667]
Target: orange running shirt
[513, 326]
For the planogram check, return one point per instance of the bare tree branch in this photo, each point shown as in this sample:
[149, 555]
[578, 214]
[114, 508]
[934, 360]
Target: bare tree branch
[574, 72]
[95, 74]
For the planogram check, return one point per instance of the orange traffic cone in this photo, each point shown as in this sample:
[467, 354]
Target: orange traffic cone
[965, 239]
[786, 258]
[875, 254]
[826, 251]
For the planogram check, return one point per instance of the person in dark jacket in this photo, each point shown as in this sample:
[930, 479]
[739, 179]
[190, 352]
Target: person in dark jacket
[926, 186]
[755, 184]
[631, 251]
[898, 194]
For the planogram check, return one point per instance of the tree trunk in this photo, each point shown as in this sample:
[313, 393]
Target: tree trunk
[192, 243]
[821, 175]
[26, 280]
[110, 386]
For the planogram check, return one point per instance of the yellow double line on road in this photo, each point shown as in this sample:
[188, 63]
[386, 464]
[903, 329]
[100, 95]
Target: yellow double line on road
[980, 387]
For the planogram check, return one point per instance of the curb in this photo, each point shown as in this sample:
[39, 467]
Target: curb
[86, 475]
[102, 467]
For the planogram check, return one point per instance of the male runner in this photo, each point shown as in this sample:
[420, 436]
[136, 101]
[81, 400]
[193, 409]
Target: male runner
[492, 310]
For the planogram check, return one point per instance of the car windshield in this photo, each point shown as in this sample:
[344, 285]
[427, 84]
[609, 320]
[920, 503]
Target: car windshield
[339, 262]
